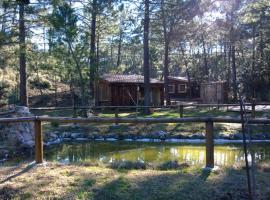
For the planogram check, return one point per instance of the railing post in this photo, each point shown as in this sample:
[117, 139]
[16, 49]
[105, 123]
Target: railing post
[253, 110]
[116, 114]
[181, 111]
[38, 142]
[209, 127]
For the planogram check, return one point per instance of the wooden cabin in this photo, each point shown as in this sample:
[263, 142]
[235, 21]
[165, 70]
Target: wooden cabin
[214, 92]
[180, 89]
[127, 90]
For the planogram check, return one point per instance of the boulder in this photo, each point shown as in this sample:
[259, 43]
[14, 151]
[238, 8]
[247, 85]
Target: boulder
[4, 154]
[66, 135]
[197, 136]
[76, 135]
[19, 134]
[161, 135]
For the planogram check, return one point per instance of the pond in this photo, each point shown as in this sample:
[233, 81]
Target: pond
[151, 152]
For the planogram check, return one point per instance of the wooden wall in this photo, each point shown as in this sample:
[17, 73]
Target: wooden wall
[176, 93]
[214, 92]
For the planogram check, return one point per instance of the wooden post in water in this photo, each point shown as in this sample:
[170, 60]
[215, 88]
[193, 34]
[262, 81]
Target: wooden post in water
[38, 142]
[181, 111]
[209, 127]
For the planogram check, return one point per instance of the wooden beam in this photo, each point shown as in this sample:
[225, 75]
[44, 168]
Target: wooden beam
[38, 142]
[209, 127]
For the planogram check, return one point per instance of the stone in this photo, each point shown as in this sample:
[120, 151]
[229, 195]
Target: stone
[57, 141]
[110, 135]
[4, 154]
[159, 135]
[76, 135]
[91, 137]
[81, 139]
[197, 136]
[66, 135]
[52, 136]
[19, 134]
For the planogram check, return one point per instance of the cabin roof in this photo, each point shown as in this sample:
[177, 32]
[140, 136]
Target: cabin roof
[178, 78]
[134, 78]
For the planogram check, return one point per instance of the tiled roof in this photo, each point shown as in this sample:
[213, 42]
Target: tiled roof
[116, 78]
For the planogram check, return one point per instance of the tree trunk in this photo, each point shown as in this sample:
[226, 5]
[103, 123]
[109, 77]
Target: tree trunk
[206, 70]
[187, 71]
[96, 90]
[166, 56]
[253, 73]
[234, 72]
[92, 52]
[23, 81]
[3, 24]
[166, 72]
[146, 57]
[77, 63]
[119, 46]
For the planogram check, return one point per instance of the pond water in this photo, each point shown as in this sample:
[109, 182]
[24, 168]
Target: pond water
[156, 152]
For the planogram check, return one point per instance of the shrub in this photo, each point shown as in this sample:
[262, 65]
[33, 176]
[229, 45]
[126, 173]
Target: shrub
[125, 164]
[4, 90]
[169, 165]
[55, 124]
[40, 83]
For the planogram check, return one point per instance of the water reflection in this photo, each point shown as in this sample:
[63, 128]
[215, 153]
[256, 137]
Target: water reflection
[151, 152]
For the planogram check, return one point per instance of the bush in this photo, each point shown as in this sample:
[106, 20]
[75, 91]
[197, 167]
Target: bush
[55, 124]
[125, 164]
[40, 83]
[4, 90]
[169, 165]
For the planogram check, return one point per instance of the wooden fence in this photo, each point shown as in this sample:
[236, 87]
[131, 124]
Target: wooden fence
[209, 128]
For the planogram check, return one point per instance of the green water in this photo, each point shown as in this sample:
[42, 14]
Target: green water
[225, 155]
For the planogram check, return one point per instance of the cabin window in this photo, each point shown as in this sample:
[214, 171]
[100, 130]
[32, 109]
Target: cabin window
[171, 88]
[182, 88]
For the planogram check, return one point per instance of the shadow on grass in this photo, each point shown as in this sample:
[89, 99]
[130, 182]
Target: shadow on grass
[103, 183]
[25, 170]
[177, 185]
[168, 186]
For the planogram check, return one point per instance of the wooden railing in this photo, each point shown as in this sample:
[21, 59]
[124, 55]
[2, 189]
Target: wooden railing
[209, 128]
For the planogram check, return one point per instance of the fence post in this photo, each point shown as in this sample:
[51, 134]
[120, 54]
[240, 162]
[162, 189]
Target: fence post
[209, 127]
[116, 114]
[38, 142]
[181, 111]
[253, 110]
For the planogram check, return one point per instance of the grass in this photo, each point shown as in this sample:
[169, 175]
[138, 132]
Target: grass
[54, 181]
[172, 129]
